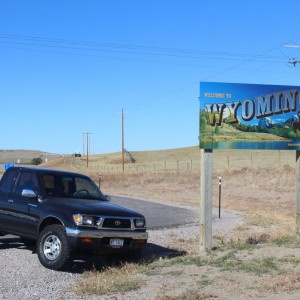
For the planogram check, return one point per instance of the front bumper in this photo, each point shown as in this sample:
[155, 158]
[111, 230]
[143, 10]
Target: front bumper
[99, 234]
[99, 239]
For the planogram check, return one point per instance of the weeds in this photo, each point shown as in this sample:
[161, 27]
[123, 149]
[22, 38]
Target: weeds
[284, 240]
[190, 294]
[111, 280]
[285, 282]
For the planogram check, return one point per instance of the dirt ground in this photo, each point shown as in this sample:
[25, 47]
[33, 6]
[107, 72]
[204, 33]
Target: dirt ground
[256, 259]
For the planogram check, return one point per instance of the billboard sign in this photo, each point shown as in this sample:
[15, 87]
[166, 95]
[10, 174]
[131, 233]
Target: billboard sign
[249, 116]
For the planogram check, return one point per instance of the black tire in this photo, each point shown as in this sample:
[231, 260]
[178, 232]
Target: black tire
[53, 248]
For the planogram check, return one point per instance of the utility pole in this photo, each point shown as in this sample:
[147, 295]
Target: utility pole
[87, 147]
[293, 61]
[83, 144]
[123, 140]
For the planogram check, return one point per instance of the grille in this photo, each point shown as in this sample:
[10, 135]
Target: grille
[116, 223]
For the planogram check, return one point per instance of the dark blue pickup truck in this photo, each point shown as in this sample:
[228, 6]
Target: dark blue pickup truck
[62, 211]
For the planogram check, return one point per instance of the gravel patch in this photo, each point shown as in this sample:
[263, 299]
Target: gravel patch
[23, 277]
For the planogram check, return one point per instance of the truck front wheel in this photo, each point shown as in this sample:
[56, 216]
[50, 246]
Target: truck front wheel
[53, 248]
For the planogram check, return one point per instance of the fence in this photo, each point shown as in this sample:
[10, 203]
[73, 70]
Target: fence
[168, 166]
[222, 160]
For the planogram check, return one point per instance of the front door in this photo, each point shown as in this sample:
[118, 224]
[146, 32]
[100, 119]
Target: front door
[23, 210]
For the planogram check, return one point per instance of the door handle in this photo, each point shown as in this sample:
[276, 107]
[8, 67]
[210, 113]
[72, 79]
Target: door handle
[10, 201]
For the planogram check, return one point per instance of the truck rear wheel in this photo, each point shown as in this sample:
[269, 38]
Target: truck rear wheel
[53, 248]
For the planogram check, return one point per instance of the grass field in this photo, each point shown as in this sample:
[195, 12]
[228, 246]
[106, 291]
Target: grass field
[182, 159]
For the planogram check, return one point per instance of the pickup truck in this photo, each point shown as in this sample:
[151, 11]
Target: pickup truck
[62, 212]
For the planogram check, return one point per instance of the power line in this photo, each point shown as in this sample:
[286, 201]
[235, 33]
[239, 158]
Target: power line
[129, 49]
[293, 61]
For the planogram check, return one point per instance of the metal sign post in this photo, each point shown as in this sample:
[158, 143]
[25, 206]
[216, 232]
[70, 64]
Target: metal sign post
[298, 193]
[206, 200]
[220, 190]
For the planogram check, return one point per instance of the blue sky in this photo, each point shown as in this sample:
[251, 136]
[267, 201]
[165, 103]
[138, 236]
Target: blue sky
[69, 67]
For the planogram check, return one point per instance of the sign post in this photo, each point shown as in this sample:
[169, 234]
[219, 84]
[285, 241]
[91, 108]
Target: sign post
[206, 199]
[298, 194]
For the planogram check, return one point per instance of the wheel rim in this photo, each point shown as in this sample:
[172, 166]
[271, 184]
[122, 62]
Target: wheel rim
[52, 247]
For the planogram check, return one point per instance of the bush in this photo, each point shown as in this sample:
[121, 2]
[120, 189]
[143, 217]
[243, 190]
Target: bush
[36, 161]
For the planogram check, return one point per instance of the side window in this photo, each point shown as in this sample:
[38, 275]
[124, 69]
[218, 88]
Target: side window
[28, 181]
[48, 182]
[7, 180]
[56, 185]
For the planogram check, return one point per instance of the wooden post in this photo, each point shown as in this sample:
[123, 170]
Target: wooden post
[123, 160]
[206, 199]
[298, 193]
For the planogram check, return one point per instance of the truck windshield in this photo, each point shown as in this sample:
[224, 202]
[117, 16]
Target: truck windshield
[70, 186]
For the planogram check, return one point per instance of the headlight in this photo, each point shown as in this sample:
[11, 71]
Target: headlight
[83, 220]
[139, 223]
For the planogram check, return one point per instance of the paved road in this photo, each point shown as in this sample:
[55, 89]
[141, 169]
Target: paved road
[159, 215]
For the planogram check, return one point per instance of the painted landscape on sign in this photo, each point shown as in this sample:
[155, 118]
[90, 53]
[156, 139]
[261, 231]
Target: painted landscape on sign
[249, 116]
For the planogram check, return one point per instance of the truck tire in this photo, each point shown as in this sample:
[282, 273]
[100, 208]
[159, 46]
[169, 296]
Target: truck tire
[53, 248]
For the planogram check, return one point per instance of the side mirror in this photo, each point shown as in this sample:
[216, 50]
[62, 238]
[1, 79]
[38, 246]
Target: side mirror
[29, 193]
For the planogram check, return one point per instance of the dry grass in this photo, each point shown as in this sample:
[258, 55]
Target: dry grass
[286, 282]
[110, 280]
[190, 294]
[183, 187]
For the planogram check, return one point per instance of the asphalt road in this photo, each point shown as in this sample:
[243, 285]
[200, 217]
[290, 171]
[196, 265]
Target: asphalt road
[159, 215]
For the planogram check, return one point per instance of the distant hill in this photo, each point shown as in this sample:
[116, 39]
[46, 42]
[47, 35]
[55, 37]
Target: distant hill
[25, 156]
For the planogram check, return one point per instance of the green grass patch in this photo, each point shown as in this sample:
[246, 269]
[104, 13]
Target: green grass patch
[204, 281]
[284, 240]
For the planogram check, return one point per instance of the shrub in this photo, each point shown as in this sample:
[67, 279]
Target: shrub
[36, 161]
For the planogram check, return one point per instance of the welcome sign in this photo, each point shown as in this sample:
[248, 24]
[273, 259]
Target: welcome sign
[249, 116]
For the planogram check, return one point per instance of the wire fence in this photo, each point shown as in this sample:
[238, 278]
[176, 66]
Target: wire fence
[167, 166]
[222, 160]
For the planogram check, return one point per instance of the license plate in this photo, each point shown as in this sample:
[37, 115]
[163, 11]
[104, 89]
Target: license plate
[116, 243]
